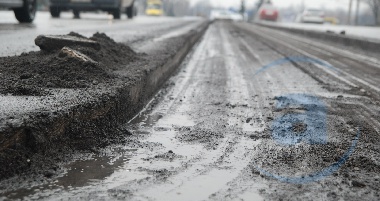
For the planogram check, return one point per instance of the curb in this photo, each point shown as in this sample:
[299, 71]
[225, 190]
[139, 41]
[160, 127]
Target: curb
[48, 138]
[361, 43]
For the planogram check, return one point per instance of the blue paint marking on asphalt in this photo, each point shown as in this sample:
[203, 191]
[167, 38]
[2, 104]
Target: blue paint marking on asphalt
[313, 177]
[314, 120]
[314, 117]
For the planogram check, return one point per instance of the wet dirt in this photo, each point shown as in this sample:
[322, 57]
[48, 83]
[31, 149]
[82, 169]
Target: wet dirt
[52, 125]
[350, 111]
[30, 74]
[208, 133]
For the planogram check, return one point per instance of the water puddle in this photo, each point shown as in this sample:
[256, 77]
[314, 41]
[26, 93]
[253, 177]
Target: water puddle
[78, 174]
[144, 120]
[82, 173]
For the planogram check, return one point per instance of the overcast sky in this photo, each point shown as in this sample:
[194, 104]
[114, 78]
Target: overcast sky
[280, 3]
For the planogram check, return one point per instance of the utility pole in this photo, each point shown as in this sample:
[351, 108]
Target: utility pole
[349, 13]
[357, 12]
[303, 6]
[259, 4]
[242, 9]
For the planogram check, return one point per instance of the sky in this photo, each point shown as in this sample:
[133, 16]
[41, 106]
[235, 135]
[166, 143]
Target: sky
[282, 3]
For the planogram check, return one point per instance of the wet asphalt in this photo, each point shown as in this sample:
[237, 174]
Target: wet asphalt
[127, 31]
[210, 133]
[366, 32]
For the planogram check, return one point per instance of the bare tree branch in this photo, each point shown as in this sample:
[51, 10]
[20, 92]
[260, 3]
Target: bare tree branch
[375, 8]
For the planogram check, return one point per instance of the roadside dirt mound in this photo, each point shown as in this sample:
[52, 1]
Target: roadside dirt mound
[30, 73]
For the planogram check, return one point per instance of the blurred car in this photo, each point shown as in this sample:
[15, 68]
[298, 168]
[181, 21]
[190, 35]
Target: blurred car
[25, 10]
[312, 15]
[114, 7]
[220, 15]
[154, 7]
[237, 17]
[268, 12]
[225, 15]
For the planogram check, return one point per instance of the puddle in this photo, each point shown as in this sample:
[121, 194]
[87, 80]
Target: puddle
[83, 173]
[176, 120]
[79, 173]
[145, 120]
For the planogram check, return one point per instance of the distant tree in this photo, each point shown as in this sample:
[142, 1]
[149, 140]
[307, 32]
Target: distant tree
[375, 8]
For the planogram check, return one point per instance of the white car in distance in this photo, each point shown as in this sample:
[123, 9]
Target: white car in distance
[312, 15]
[225, 15]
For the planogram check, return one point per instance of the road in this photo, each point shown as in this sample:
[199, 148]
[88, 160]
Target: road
[213, 132]
[372, 33]
[124, 30]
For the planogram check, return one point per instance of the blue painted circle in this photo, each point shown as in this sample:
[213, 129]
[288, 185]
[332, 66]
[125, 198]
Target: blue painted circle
[316, 176]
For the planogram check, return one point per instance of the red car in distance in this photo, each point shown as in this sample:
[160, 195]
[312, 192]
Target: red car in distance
[268, 12]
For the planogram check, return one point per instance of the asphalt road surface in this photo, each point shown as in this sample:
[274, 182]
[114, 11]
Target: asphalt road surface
[372, 33]
[123, 30]
[219, 129]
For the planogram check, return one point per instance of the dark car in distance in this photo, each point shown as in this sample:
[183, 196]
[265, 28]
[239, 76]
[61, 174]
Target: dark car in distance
[114, 7]
[25, 10]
